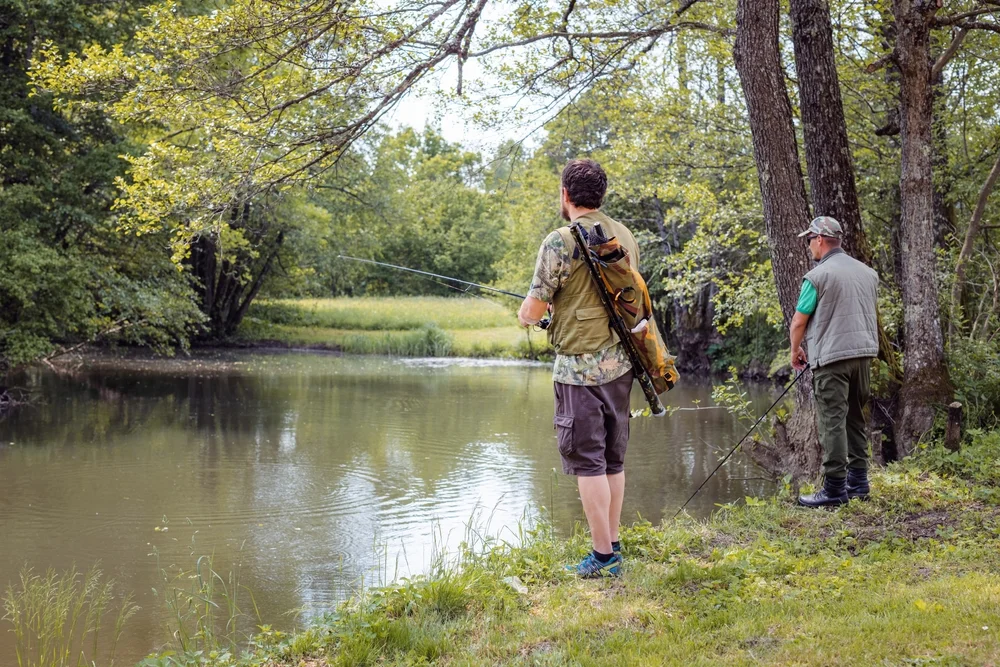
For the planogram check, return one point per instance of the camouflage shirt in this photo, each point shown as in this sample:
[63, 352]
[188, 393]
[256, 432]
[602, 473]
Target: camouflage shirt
[551, 271]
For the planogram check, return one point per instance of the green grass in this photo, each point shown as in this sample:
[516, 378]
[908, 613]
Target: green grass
[398, 326]
[65, 619]
[388, 313]
[908, 578]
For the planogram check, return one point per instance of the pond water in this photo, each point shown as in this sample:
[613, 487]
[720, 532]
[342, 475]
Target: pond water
[311, 475]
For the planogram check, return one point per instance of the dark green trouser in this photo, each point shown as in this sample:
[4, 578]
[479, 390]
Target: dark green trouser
[841, 390]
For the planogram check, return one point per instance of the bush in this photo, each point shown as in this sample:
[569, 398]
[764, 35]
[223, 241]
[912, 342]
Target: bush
[975, 371]
[977, 462]
[749, 348]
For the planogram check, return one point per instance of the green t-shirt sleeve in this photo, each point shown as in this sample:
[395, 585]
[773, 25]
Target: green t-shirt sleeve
[807, 298]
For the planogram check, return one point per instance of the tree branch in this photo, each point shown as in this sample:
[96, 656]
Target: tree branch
[630, 35]
[956, 19]
[566, 14]
[980, 25]
[115, 328]
[686, 5]
[966, 252]
[948, 54]
[881, 62]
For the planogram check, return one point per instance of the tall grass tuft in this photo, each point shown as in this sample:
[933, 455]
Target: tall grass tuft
[57, 619]
[427, 341]
[205, 613]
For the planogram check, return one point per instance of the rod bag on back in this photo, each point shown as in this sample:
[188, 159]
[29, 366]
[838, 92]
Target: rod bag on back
[631, 300]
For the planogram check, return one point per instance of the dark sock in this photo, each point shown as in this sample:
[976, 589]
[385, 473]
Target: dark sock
[604, 558]
[616, 546]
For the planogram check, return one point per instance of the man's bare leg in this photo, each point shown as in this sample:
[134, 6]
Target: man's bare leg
[595, 493]
[616, 483]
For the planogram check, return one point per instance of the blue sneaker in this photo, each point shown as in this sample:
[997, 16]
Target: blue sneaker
[591, 568]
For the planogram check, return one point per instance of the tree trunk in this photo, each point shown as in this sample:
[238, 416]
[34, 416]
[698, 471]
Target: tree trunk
[828, 153]
[786, 209]
[227, 286]
[236, 316]
[944, 210]
[783, 193]
[925, 374]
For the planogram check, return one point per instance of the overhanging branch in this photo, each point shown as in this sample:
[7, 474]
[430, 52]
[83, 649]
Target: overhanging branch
[948, 54]
[627, 35]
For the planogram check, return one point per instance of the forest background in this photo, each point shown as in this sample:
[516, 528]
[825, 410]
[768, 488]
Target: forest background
[166, 165]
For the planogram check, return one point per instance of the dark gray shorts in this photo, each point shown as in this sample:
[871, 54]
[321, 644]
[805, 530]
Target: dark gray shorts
[592, 426]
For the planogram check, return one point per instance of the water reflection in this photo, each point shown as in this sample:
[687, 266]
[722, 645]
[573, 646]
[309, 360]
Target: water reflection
[314, 472]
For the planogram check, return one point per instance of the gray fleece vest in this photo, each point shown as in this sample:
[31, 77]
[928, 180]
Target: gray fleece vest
[844, 325]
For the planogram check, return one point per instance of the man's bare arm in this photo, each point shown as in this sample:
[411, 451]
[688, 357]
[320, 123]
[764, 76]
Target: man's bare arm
[796, 332]
[531, 311]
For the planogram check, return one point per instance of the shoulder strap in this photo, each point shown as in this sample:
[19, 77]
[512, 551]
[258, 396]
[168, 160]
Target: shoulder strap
[568, 240]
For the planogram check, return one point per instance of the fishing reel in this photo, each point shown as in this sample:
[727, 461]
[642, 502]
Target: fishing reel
[543, 323]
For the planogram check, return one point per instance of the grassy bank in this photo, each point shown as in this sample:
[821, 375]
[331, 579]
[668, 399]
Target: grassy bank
[400, 326]
[908, 578]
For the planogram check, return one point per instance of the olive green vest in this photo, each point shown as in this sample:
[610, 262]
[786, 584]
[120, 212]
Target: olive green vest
[844, 325]
[579, 323]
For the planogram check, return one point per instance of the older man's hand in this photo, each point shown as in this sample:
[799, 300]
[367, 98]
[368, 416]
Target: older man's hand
[799, 359]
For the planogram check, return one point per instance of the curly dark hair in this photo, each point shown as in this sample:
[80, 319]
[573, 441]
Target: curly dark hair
[586, 183]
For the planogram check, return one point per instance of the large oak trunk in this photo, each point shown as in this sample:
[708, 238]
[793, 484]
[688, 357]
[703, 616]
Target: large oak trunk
[828, 154]
[925, 374]
[786, 209]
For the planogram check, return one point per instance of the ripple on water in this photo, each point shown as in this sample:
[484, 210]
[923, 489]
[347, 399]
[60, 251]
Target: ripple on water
[468, 362]
[320, 473]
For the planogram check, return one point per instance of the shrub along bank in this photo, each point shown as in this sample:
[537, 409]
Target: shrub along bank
[908, 578]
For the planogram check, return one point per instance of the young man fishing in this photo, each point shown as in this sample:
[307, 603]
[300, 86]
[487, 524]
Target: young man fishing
[836, 315]
[592, 374]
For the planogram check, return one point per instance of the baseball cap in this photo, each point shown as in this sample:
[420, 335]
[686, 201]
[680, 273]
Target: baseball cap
[824, 225]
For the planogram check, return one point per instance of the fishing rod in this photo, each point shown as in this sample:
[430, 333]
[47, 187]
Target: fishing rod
[731, 451]
[432, 275]
[542, 323]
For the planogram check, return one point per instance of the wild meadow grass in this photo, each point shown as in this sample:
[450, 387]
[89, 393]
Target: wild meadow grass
[388, 313]
[396, 326]
[65, 619]
[907, 578]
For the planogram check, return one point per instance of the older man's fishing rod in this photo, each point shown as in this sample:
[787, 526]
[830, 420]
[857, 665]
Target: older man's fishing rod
[733, 450]
[544, 323]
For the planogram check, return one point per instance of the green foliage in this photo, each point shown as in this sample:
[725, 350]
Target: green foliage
[732, 396]
[975, 371]
[750, 347]
[60, 620]
[977, 463]
[403, 326]
[66, 274]
[409, 199]
[428, 341]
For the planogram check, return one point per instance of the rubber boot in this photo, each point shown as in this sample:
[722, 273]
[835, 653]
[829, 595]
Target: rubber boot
[833, 493]
[857, 483]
